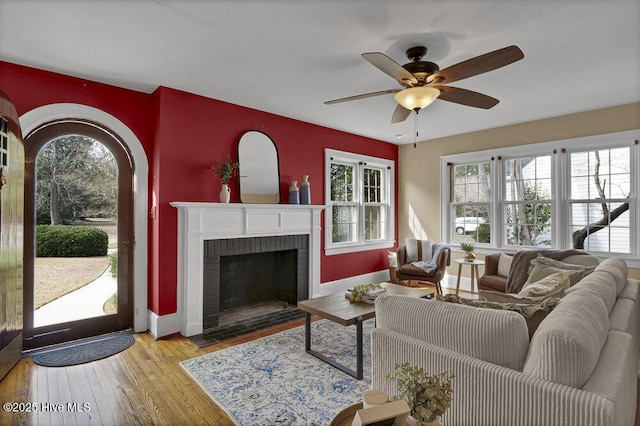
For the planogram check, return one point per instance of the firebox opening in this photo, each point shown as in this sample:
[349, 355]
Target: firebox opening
[258, 278]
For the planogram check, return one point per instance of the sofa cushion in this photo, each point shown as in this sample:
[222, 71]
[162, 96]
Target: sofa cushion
[614, 378]
[495, 336]
[623, 317]
[546, 285]
[631, 291]
[566, 346]
[532, 313]
[602, 284]
[504, 264]
[618, 270]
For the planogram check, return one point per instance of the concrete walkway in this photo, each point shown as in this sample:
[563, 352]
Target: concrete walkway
[86, 302]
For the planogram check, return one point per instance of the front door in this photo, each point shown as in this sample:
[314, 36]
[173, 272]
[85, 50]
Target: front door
[79, 178]
[11, 225]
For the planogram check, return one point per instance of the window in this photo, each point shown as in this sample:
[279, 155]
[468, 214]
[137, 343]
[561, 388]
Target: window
[360, 195]
[579, 193]
[527, 207]
[600, 200]
[471, 194]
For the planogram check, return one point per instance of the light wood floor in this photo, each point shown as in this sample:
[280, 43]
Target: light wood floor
[143, 385]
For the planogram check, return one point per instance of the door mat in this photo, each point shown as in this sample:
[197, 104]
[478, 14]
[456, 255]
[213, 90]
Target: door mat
[80, 353]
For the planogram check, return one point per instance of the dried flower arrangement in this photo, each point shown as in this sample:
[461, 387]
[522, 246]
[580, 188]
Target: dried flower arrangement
[428, 396]
[225, 170]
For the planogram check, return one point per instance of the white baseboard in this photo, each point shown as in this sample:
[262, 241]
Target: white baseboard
[449, 281]
[160, 326]
[344, 284]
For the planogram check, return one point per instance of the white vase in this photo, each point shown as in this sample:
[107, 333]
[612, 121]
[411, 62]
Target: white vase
[225, 193]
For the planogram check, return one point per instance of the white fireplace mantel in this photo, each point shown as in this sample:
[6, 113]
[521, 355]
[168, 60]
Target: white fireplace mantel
[198, 222]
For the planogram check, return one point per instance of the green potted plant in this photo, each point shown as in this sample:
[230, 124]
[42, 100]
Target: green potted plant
[468, 249]
[225, 170]
[428, 396]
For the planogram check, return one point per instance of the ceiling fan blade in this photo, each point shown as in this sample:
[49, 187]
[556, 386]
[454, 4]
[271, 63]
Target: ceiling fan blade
[390, 67]
[365, 95]
[478, 65]
[400, 114]
[466, 97]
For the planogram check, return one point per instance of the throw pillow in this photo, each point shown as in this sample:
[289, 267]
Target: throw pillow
[504, 264]
[418, 250]
[392, 256]
[542, 270]
[548, 285]
[542, 260]
[532, 314]
[496, 296]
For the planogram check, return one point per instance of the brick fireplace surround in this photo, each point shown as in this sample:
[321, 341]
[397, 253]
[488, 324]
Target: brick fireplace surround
[200, 222]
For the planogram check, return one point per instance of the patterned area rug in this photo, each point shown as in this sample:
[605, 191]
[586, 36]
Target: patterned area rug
[79, 353]
[272, 380]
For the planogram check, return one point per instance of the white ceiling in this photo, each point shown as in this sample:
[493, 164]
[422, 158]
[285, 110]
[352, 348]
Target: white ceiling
[289, 56]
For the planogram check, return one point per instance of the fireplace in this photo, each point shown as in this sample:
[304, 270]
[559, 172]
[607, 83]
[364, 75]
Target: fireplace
[242, 273]
[237, 229]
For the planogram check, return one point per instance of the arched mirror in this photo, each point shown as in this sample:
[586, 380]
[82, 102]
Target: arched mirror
[259, 170]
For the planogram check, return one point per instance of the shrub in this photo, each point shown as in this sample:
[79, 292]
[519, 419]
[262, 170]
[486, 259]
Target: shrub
[113, 264]
[70, 241]
[482, 234]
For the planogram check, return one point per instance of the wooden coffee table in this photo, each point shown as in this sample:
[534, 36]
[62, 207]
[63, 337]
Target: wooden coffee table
[337, 308]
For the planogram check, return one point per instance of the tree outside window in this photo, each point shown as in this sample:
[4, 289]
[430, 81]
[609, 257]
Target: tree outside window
[600, 191]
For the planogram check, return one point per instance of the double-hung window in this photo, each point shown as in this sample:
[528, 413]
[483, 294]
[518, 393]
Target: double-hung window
[577, 193]
[359, 192]
[600, 200]
[527, 206]
[471, 200]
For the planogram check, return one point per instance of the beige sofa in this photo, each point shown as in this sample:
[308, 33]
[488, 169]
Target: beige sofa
[580, 367]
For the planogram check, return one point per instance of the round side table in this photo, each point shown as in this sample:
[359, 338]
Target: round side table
[474, 272]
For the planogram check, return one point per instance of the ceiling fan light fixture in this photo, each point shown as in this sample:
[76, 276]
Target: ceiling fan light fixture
[417, 97]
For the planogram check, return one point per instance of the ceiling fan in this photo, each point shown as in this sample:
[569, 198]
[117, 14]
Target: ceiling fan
[423, 81]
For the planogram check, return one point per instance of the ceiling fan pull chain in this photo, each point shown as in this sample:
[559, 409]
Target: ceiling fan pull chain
[415, 128]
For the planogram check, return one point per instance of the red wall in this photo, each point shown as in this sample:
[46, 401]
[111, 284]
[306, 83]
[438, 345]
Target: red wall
[183, 134]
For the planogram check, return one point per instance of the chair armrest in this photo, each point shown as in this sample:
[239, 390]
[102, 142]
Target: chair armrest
[402, 255]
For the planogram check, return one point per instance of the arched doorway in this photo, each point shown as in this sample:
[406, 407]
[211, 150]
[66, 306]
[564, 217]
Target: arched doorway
[61, 111]
[63, 327]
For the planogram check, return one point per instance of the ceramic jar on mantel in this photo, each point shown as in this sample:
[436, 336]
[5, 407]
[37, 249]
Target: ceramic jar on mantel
[294, 193]
[225, 193]
[305, 190]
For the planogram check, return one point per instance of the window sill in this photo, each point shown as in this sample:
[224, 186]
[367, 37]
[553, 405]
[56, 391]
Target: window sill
[330, 251]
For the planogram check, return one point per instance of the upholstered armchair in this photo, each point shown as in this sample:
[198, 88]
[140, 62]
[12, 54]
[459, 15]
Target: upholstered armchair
[491, 280]
[435, 264]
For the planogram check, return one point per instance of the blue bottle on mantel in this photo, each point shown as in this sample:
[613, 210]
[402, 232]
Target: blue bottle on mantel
[305, 190]
[294, 193]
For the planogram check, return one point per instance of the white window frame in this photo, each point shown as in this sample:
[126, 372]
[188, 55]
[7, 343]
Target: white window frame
[560, 188]
[359, 161]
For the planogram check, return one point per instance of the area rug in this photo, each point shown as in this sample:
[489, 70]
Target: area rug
[87, 351]
[272, 380]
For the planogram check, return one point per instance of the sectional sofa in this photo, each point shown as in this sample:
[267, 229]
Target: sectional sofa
[579, 367]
